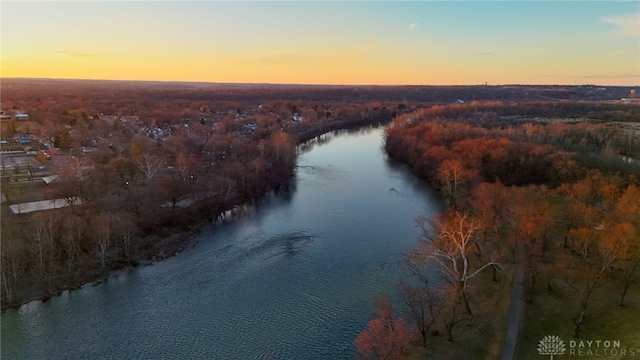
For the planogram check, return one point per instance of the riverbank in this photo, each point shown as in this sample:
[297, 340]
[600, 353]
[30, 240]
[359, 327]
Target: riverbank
[182, 225]
[486, 172]
[299, 265]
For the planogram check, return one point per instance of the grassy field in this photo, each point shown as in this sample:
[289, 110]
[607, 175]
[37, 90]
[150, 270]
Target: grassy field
[553, 311]
[481, 336]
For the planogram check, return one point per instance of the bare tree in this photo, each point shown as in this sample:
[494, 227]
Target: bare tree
[422, 305]
[148, 164]
[102, 225]
[125, 229]
[452, 173]
[12, 257]
[36, 236]
[73, 229]
[450, 247]
[71, 181]
[174, 187]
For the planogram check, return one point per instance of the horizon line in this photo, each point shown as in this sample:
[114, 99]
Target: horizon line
[304, 84]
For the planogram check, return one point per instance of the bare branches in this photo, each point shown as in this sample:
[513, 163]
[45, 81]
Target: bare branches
[148, 164]
[450, 247]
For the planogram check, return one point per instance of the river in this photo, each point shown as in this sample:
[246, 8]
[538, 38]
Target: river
[292, 277]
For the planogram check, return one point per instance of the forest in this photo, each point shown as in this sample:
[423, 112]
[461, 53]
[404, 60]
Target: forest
[553, 187]
[140, 168]
[142, 165]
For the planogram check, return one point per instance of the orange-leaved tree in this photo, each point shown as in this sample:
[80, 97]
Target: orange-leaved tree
[385, 337]
[627, 233]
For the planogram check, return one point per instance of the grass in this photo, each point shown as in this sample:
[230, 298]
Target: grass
[29, 191]
[481, 337]
[553, 313]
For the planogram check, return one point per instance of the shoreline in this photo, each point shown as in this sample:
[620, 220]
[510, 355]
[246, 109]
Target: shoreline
[178, 242]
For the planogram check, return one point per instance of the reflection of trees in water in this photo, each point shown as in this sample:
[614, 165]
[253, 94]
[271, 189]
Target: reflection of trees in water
[286, 244]
[294, 243]
[325, 138]
[273, 199]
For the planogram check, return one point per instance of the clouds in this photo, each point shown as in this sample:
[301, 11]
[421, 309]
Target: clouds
[613, 54]
[412, 26]
[627, 25]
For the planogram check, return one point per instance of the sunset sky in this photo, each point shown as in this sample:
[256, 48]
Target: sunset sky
[304, 42]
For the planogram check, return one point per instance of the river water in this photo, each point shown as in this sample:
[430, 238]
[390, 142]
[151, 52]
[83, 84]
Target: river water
[292, 277]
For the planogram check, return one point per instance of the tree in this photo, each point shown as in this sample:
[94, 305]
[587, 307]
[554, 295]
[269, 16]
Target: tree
[148, 164]
[625, 235]
[71, 181]
[626, 232]
[452, 173]
[186, 165]
[489, 202]
[62, 141]
[531, 218]
[582, 198]
[174, 187]
[125, 229]
[72, 232]
[102, 236]
[41, 231]
[385, 337]
[422, 305]
[594, 254]
[282, 147]
[13, 256]
[450, 247]
[450, 297]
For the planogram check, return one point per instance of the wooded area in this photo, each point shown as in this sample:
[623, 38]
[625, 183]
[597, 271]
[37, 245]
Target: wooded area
[141, 168]
[566, 189]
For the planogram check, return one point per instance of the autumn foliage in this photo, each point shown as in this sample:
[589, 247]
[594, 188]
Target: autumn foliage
[143, 164]
[386, 337]
[514, 173]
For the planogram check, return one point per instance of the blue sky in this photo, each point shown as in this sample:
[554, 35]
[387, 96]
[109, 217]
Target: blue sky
[362, 42]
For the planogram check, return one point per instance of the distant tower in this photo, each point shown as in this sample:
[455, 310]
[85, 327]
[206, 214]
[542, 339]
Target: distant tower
[632, 93]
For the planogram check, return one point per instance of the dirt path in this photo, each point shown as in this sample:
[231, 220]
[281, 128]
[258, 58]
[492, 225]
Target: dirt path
[515, 306]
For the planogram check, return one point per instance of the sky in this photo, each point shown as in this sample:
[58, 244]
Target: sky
[325, 42]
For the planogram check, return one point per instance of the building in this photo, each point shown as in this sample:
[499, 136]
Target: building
[631, 99]
[21, 116]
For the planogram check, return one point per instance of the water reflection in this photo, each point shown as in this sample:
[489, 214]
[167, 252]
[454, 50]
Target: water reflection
[328, 137]
[290, 276]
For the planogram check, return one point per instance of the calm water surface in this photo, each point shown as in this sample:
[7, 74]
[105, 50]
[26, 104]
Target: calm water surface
[290, 278]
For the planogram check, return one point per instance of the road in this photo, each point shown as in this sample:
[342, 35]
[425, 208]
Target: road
[515, 306]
